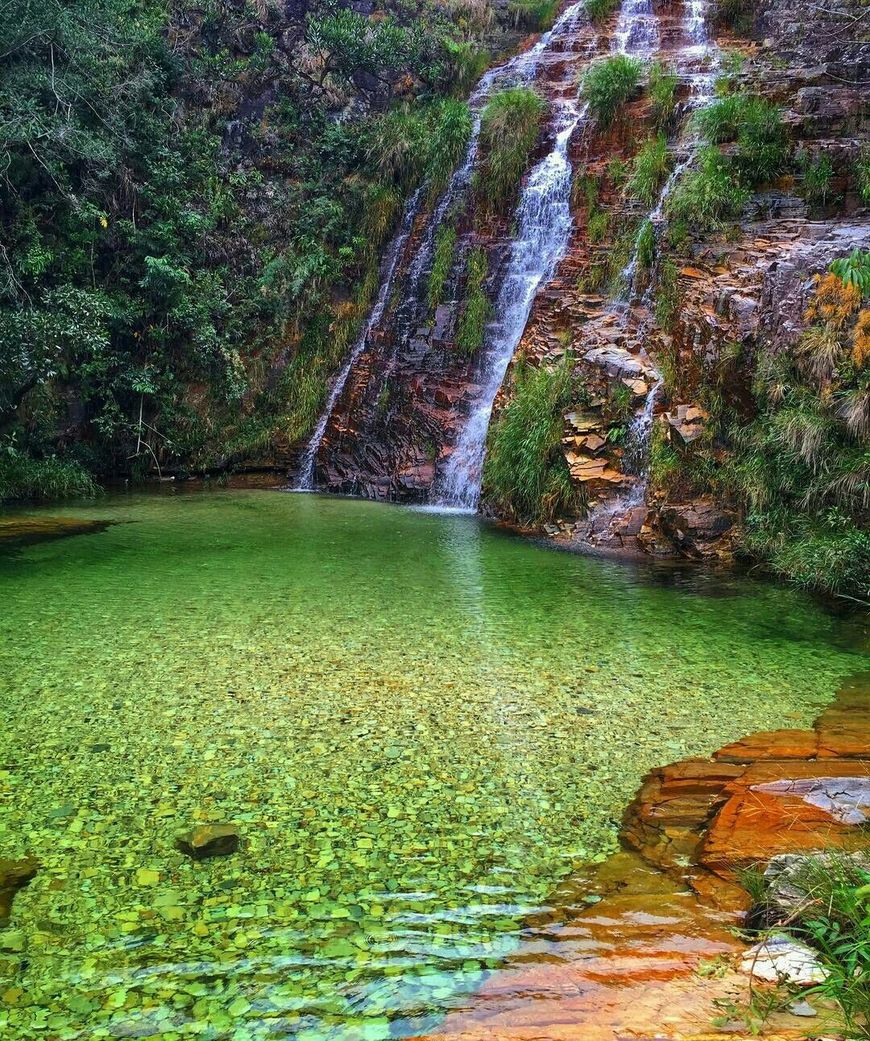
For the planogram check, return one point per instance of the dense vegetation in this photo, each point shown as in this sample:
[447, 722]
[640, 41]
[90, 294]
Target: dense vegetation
[190, 232]
[526, 478]
[798, 463]
[831, 894]
[510, 126]
[608, 84]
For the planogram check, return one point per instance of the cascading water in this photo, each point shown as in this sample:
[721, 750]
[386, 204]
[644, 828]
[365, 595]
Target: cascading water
[637, 29]
[520, 68]
[391, 262]
[636, 458]
[638, 439]
[544, 220]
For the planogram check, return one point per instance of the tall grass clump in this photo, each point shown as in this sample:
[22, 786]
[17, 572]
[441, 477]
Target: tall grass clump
[663, 82]
[708, 195]
[598, 10]
[608, 85]
[734, 14]
[25, 477]
[442, 262]
[451, 130]
[510, 125]
[536, 15]
[475, 314]
[831, 914]
[817, 174]
[756, 125]
[405, 145]
[525, 476]
[862, 175]
[650, 170]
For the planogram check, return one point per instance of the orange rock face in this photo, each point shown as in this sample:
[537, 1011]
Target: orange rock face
[618, 954]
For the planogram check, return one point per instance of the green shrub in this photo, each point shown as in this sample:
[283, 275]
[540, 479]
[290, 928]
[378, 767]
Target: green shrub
[23, 477]
[598, 10]
[756, 125]
[854, 270]
[667, 294]
[525, 476]
[445, 247]
[817, 172]
[707, 196]
[536, 15]
[511, 123]
[608, 84]
[475, 314]
[862, 174]
[650, 171]
[646, 246]
[663, 82]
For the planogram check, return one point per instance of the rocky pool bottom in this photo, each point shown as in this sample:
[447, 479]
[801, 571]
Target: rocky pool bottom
[418, 725]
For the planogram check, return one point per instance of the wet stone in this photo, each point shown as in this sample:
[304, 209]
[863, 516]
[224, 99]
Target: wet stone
[209, 840]
[14, 875]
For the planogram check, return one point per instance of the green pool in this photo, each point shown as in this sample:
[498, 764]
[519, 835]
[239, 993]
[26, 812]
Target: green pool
[418, 723]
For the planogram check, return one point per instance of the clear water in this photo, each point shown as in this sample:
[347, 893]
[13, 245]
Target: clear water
[418, 723]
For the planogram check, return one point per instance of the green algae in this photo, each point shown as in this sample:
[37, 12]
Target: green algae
[418, 724]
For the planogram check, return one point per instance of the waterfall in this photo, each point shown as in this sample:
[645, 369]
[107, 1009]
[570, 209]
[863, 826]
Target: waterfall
[520, 68]
[637, 445]
[544, 220]
[637, 29]
[638, 439]
[388, 272]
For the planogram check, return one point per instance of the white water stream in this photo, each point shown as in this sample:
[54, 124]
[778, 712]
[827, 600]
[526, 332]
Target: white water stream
[544, 221]
[391, 262]
[520, 68]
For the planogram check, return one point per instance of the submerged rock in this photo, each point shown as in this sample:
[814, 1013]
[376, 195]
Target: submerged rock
[209, 840]
[14, 875]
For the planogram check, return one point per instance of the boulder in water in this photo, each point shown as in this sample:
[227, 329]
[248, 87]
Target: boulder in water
[209, 840]
[14, 875]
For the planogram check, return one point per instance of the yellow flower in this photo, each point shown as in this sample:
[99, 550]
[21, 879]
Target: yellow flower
[103, 222]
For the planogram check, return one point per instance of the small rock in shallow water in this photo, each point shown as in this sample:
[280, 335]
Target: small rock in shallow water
[14, 875]
[781, 959]
[209, 840]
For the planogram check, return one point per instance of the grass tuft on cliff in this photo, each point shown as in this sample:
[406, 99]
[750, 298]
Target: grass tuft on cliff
[475, 313]
[511, 123]
[708, 195]
[598, 10]
[526, 477]
[608, 84]
[650, 170]
[536, 15]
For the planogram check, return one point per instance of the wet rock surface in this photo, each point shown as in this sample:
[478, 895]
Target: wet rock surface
[14, 875]
[209, 840]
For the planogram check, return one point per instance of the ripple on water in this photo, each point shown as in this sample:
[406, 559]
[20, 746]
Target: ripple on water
[419, 724]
